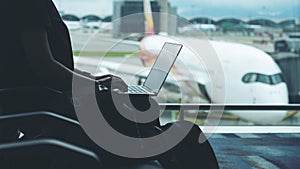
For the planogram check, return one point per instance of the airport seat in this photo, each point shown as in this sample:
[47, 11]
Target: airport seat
[46, 154]
[47, 125]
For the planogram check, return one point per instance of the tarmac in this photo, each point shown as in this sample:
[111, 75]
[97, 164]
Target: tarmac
[261, 151]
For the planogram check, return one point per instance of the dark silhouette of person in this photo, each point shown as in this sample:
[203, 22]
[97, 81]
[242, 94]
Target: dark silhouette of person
[37, 53]
[37, 69]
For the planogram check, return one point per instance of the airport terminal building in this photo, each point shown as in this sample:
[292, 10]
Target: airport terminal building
[129, 14]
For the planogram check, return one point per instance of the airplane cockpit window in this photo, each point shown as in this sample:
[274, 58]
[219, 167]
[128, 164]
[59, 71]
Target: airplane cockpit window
[250, 78]
[266, 79]
[276, 79]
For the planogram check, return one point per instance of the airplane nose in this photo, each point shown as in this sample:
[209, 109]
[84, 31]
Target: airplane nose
[275, 92]
[278, 97]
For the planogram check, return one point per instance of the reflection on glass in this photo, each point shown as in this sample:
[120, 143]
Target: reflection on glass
[272, 27]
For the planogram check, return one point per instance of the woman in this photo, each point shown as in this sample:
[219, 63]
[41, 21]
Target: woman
[37, 52]
[37, 70]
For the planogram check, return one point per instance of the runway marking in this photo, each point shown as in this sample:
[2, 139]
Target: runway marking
[236, 162]
[295, 135]
[247, 135]
[259, 162]
[270, 150]
[285, 135]
[251, 129]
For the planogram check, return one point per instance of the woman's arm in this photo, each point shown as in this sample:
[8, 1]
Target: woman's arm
[53, 73]
[83, 73]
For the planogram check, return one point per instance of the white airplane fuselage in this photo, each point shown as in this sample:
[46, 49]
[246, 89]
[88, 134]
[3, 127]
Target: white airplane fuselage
[264, 84]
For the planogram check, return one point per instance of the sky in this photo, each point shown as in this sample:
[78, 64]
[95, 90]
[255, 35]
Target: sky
[277, 9]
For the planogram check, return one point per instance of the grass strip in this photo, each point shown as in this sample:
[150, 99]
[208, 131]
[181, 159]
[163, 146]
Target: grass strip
[98, 53]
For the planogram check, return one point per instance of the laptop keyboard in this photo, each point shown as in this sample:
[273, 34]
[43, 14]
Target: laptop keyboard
[138, 89]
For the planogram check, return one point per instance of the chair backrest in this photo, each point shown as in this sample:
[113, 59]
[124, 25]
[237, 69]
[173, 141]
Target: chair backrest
[48, 125]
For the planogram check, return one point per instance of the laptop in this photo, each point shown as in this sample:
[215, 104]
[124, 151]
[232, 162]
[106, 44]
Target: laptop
[159, 71]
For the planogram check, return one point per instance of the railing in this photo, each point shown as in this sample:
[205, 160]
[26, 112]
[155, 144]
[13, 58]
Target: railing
[182, 108]
[169, 106]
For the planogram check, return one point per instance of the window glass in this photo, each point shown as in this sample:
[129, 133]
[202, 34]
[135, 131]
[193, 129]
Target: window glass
[250, 78]
[277, 78]
[267, 79]
[247, 49]
[263, 79]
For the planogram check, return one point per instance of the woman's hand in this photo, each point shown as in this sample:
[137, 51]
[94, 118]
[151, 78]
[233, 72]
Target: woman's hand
[112, 82]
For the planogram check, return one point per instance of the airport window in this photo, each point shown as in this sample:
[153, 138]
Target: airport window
[113, 36]
[237, 77]
[263, 27]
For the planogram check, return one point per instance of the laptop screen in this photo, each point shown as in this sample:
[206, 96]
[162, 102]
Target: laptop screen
[162, 66]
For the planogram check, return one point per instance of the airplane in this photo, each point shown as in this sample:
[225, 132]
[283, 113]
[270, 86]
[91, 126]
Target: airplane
[251, 76]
